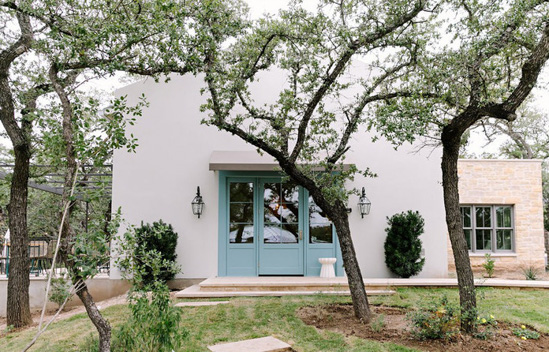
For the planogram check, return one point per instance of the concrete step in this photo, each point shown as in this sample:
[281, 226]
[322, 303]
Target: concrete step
[196, 292]
[200, 304]
[313, 284]
[262, 344]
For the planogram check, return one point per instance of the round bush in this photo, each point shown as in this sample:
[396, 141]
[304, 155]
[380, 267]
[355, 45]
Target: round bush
[161, 238]
[402, 245]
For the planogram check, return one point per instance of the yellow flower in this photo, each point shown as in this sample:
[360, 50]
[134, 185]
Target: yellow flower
[483, 321]
[491, 316]
[523, 327]
[523, 337]
[478, 318]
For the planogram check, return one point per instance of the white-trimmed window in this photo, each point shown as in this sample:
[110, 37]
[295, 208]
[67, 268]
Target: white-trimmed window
[488, 228]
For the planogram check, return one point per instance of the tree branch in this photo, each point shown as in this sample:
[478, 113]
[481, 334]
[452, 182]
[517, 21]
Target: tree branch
[342, 62]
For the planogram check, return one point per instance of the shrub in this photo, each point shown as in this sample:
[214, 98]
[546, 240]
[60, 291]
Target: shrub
[403, 246]
[438, 321]
[530, 273]
[147, 254]
[156, 238]
[154, 325]
[489, 265]
[60, 290]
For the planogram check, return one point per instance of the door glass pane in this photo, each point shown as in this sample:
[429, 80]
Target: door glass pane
[241, 233]
[271, 192]
[280, 212]
[322, 233]
[271, 213]
[484, 239]
[483, 217]
[320, 227]
[275, 233]
[466, 217]
[503, 215]
[290, 192]
[503, 239]
[289, 212]
[241, 192]
[241, 212]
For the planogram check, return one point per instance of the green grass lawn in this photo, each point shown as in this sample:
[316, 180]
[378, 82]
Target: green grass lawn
[247, 318]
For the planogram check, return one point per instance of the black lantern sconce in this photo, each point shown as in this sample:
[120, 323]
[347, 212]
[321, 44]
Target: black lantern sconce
[197, 203]
[364, 204]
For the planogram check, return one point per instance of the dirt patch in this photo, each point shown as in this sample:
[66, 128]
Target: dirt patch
[340, 318]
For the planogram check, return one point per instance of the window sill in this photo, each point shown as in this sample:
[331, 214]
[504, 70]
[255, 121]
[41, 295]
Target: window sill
[492, 254]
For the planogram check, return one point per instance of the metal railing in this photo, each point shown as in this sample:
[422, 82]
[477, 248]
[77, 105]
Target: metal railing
[40, 254]
[41, 250]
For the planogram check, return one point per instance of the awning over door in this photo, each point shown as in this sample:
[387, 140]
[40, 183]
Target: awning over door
[245, 161]
[242, 161]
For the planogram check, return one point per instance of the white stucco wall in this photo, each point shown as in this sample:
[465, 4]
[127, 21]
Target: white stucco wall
[159, 181]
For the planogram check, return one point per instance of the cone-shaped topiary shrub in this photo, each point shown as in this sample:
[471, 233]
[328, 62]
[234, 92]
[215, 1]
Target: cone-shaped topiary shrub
[160, 238]
[403, 246]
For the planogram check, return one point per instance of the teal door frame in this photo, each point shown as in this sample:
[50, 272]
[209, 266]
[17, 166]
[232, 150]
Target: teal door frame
[244, 259]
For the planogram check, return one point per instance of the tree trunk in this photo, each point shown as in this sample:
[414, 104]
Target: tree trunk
[102, 326]
[67, 233]
[18, 309]
[338, 214]
[356, 283]
[466, 283]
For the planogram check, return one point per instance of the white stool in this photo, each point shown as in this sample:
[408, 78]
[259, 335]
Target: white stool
[327, 269]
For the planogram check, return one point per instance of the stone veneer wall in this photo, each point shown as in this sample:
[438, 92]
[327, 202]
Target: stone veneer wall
[507, 182]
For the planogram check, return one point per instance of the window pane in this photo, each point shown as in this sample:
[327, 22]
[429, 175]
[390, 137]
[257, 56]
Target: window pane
[241, 233]
[276, 213]
[241, 192]
[503, 215]
[290, 193]
[320, 233]
[466, 216]
[483, 218]
[273, 233]
[320, 227]
[503, 239]
[242, 212]
[467, 234]
[271, 213]
[271, 192]
[484, 239]
[289, 212]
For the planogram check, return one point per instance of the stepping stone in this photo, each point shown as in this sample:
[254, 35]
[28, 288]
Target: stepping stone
[262, 344]
[200, 304]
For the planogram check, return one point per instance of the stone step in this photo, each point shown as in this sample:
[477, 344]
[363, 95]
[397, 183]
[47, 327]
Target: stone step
[262, 344]
[200, 304]
[196, 292]
[313, 284]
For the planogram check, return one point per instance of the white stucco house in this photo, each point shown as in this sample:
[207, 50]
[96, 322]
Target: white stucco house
[253, 225]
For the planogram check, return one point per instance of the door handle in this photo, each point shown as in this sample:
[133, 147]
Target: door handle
[300, 235]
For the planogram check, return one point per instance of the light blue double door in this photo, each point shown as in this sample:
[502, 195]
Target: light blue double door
[270, 227]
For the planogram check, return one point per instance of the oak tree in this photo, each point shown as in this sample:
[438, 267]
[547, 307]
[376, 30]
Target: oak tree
[307, 126]
[488, 64]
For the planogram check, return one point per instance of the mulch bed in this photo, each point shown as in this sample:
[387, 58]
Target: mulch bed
[340, 318]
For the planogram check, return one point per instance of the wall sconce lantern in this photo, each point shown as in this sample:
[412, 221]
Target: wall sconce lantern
[364, 204]
[197, 203]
